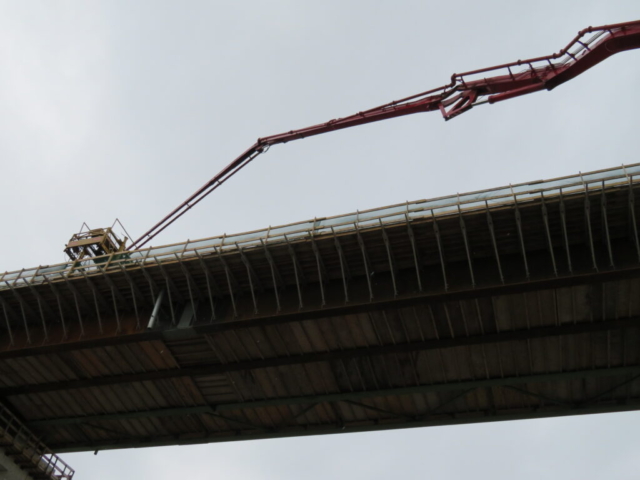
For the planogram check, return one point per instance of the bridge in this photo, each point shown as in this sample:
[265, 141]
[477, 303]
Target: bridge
[511, 303]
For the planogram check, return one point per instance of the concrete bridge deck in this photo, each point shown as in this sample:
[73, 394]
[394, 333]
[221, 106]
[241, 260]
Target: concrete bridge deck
[518, 302]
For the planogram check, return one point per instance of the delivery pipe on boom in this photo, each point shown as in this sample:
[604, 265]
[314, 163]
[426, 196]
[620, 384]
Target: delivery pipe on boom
[466, 90]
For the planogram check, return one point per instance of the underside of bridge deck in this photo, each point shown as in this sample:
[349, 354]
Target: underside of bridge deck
[520, 308]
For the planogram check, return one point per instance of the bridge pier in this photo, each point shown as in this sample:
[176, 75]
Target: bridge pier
[10, 470]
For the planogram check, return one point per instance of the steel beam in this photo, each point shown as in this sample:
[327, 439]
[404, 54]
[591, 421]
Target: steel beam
[326, 429]
[465, 386]
[337, 307]
[434, 344]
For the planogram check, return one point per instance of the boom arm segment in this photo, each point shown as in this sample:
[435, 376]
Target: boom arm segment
[591, 46]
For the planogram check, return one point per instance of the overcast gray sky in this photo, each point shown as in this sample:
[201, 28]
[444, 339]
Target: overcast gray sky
[122, 109]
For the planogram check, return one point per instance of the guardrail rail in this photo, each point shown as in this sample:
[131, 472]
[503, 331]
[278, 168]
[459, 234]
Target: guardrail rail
[28, 452]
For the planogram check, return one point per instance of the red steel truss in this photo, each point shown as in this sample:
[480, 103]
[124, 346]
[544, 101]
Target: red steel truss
[466, 90]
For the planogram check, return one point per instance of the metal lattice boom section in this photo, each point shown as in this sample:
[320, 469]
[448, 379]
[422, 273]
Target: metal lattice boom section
[466, 90]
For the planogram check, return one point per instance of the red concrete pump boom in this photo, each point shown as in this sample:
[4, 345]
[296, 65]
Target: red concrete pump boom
[466, 90]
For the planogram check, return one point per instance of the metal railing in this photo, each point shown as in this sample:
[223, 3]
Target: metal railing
[402, 213]
[583, 43]
[31, 448]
